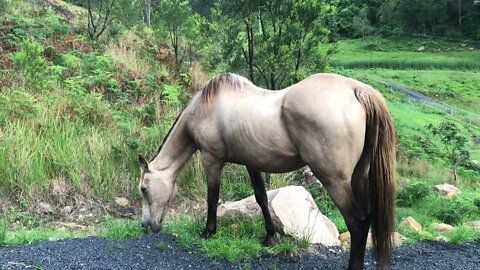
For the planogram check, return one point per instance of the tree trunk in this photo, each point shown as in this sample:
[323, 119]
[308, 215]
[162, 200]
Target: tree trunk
[147, 10]
[459, 12]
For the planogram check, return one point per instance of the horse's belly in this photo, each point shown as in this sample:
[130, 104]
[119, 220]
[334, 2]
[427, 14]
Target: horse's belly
[274, 156]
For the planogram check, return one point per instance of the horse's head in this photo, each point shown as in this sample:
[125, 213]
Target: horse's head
[157, 188]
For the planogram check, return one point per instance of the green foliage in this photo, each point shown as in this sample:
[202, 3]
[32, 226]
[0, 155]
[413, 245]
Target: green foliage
[278, 42]
[413, 194]
[170, 94]
[160, 246]
[462, 234]
[453, 211]
[455, 147]
[3, 5]
[3, 228]
[30, 61]
[120, 228]
[235, 239]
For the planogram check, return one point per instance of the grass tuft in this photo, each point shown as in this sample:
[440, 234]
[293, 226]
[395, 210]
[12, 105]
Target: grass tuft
[121, 228]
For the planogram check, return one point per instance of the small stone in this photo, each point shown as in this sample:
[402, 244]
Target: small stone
[45, 208]
[121, 201]
[441, 238]
[344, 236]
[234, 226]
[442, 227]
[450, 195]
[411, 224]
[398, 239]
[66, 210]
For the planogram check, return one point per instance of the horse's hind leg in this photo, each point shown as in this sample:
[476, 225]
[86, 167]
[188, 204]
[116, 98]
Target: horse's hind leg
[258, 184]
[355, 214]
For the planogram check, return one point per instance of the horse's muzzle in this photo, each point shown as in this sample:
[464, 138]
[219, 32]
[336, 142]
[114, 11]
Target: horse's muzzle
[155, 227]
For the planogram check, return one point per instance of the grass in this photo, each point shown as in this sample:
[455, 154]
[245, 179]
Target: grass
[121, 228]
[458, 88]
[403, 53]
[235, 240]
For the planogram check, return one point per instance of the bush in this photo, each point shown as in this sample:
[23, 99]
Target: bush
[29, 60]
[412, 194]
[453, 211]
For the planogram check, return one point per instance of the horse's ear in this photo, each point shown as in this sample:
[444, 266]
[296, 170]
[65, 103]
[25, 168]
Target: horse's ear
[143, 162]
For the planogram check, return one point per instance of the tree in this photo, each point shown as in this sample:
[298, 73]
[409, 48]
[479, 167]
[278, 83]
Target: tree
[175, 16]
[98, 17]
[276, 40]
[454, 145]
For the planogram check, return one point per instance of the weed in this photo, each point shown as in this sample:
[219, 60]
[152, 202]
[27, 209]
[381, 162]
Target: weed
[413, 193]
[117, 228]
[160, 246]
[30, 61]
[286, 248]
[3, 228]
[452, 211]
[462, 234]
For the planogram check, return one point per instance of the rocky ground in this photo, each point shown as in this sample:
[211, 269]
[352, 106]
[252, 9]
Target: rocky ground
[160, 251]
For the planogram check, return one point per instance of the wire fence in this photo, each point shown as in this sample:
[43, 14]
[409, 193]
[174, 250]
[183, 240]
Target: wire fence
[465, 116]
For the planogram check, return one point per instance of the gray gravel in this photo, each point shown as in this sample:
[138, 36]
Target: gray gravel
[143, 253]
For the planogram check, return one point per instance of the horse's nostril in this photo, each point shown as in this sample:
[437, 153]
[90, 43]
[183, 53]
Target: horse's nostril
[143, 189]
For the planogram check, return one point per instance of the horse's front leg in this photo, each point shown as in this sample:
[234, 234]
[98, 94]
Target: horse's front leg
[258, 184]
[213, 168]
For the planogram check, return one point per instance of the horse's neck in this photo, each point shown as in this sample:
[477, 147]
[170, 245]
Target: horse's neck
[177, 148]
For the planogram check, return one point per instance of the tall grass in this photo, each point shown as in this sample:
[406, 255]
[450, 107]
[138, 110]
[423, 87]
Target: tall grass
[73, 143]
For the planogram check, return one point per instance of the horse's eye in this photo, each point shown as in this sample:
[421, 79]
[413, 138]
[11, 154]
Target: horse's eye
[143, 189]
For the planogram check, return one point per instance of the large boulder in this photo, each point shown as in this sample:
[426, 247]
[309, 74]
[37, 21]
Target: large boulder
[293, 211]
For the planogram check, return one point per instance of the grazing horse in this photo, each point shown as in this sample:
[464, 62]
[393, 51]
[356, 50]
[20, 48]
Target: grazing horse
[338, 126]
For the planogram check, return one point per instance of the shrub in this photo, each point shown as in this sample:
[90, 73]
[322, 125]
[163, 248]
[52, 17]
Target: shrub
[453, 211]
[29, 60]
[412, 194]
[455, 145]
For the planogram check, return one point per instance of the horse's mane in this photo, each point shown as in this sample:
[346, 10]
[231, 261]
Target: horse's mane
[210, 89]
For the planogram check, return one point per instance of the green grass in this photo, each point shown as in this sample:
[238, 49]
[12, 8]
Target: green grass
[457, 88]
[462, 234]
[235, 240]
[402, 53]
[110, 228]
[3, 228]
[121, 228]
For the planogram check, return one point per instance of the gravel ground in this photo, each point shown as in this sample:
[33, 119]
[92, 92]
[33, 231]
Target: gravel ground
[146, 253]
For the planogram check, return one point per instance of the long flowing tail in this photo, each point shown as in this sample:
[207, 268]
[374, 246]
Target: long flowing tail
[380, 137]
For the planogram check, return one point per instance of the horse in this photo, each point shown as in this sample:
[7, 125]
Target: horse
[338, 126]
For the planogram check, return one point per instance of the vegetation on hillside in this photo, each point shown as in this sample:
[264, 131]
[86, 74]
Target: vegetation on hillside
[75, 110]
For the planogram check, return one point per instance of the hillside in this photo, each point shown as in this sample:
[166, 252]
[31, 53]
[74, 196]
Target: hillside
[75, 113]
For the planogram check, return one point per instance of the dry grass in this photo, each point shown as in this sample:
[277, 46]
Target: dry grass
[127, 58]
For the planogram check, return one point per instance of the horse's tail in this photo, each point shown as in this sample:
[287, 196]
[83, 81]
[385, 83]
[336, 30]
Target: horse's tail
[380, 138]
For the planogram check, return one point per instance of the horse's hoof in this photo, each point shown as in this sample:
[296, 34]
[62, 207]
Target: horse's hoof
[206, 234]
[269, 241]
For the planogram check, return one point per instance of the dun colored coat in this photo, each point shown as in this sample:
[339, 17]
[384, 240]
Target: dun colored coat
[338, 126]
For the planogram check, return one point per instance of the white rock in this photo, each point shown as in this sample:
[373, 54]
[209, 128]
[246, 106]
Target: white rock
[293, 211]
[446, 188]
